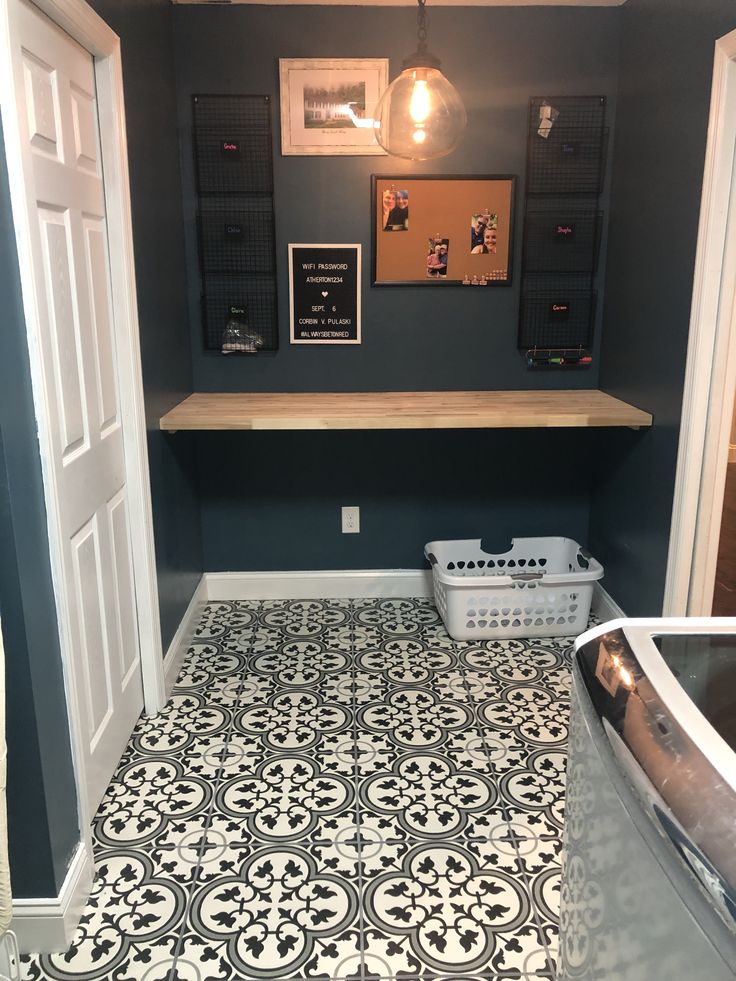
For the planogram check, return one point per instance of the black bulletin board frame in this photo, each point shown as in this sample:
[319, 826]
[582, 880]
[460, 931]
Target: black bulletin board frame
[449, 187]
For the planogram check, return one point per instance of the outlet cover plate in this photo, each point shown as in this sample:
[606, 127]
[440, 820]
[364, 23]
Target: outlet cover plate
[350, 520]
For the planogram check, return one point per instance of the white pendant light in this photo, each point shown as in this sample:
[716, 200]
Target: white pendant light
[420, 115]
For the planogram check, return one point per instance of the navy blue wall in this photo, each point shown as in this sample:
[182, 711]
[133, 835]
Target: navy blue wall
[42, 810]
[144, 27]
[667, 49]
[272, 501]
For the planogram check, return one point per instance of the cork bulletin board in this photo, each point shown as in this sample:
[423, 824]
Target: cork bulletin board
[442, 230]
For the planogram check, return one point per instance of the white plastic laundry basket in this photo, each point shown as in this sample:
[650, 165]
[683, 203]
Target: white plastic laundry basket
[541, 587]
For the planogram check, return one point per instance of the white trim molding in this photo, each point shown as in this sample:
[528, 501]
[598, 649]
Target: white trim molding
[346, 584]
[711, 363]
[114, 143]
[342, 584]
[78, 20]
[46, 926]
[177, 652]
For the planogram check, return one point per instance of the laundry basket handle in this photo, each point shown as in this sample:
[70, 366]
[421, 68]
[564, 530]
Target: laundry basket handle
[584, 557]
[527, 576]
[432, 558]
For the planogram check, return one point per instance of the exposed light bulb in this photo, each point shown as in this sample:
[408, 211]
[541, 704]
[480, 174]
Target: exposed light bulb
[420, 116]
[419, 104]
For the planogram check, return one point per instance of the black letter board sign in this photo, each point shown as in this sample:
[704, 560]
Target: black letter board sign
[324, 292]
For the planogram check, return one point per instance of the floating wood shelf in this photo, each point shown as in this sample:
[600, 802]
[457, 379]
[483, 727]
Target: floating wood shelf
[402, 410]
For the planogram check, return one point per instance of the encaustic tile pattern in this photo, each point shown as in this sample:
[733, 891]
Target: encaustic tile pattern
[335, 790]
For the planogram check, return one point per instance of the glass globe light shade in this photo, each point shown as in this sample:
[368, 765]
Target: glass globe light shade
[420, 115]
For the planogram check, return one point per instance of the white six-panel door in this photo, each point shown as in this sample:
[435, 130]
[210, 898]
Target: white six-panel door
[79, 393]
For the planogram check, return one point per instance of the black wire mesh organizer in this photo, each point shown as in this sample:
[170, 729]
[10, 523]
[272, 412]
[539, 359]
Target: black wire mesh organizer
[566, 146]
[562, 240]
[566, 153]
[249, 302]
[556, 314]
[232, 144]
[236, 239]
[233, 154]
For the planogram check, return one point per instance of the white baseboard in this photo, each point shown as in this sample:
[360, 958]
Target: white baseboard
[181, 640]
[46, 926]
[9, 957]
[604, 605]
[342, 584]
[379, 583]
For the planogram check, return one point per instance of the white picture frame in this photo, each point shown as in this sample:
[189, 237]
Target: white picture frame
[325, 126]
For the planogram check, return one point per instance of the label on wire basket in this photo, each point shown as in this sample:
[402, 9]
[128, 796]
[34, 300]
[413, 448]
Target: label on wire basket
[559, 310]
[237, 312]
[564, 231]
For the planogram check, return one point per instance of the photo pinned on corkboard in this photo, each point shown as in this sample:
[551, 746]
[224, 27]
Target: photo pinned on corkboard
[488, 244]
[438, 254]
[480, 223]
[442, 208]
[395, 210]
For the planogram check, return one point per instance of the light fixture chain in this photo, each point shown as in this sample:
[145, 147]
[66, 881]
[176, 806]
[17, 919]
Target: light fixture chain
[420, 116]
[422, 24]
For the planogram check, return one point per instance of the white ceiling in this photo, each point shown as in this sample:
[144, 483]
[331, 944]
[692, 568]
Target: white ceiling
[412, 3]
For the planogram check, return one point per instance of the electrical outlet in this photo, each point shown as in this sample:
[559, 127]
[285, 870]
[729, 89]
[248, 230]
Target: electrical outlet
[350, 521]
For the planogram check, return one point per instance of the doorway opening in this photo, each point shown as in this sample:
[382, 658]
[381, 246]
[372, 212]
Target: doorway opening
[707, 413]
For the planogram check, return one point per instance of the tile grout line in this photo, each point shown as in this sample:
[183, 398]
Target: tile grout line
[503, 808]
[468, 841]
[523, 873]
[189, 887]
[358, 805]
[179, 945]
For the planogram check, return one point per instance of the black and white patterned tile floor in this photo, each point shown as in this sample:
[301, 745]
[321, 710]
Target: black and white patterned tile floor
[336, 790]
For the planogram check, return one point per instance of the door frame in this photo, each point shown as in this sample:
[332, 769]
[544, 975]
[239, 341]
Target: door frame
[91, 32]
[710, 381]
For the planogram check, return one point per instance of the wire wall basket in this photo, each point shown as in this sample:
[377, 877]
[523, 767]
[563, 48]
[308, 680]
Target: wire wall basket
[233, 153]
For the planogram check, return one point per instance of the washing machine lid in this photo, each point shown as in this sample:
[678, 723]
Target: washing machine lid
[665, 693]
[705, 668]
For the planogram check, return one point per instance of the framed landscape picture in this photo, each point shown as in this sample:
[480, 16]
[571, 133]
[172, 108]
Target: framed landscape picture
[328, 105]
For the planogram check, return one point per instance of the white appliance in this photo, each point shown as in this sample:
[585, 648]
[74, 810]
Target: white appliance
[649, 881]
